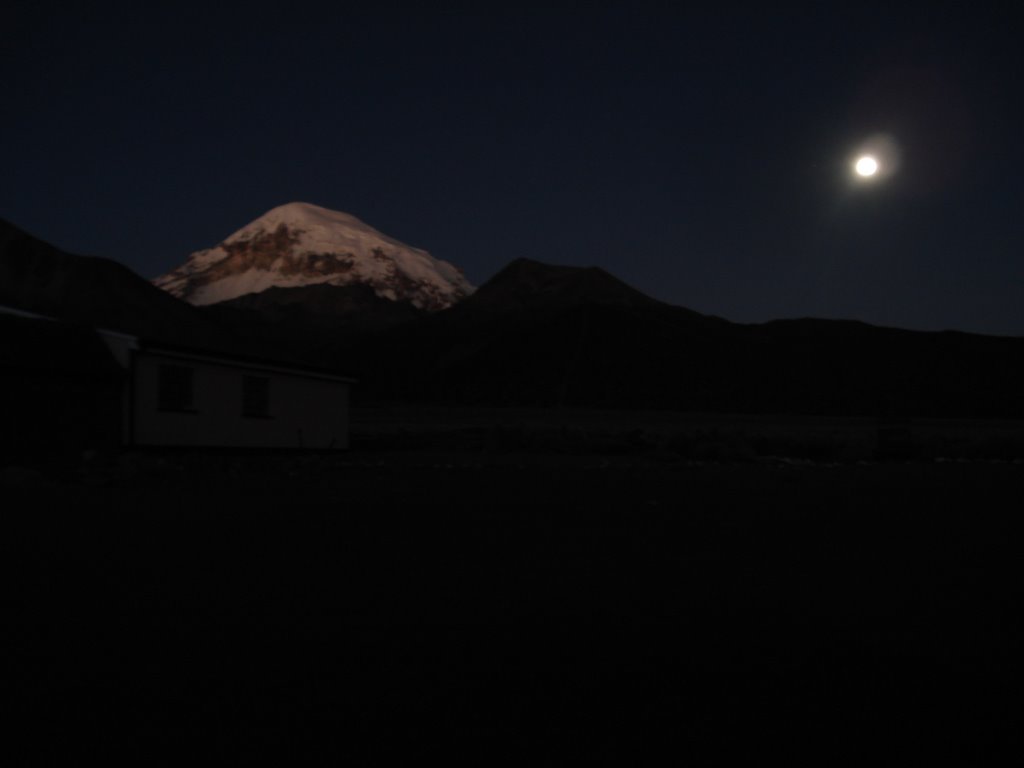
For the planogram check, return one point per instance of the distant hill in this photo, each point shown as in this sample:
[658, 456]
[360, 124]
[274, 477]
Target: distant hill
[544, 335]
[37, 277]
[566, 336]
[529, 284]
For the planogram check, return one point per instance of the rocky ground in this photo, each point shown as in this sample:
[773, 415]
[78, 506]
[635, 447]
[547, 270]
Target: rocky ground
[510, 605]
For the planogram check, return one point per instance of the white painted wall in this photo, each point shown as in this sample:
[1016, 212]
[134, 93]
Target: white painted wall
[305, 412]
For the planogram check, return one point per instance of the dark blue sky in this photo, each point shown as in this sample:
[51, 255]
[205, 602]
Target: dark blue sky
[702, 156]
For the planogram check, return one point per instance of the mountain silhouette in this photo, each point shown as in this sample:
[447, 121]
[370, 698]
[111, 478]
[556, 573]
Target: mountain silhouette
[37, 277]
[543, 335]
[568, 336]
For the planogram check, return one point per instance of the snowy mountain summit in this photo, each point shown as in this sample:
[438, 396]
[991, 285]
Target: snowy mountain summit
[299, 244]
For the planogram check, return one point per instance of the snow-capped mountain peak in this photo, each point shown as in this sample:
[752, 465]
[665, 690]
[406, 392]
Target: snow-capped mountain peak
[303, 244]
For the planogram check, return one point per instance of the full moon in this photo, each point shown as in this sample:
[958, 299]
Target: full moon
[866, 166]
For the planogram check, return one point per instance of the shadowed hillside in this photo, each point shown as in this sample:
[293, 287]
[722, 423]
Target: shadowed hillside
[92, 291]
[549, 336]
[564, 336]
[37, 277]
[352, 308]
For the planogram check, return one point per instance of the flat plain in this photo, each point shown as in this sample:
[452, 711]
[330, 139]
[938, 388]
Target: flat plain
[499, 603]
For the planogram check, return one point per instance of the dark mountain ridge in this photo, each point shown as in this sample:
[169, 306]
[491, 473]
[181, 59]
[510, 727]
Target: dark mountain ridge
[37, 277]
[525, 283]
[570, 336]
[92, 291]
[546, 335]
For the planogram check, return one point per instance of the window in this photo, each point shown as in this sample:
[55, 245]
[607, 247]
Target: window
[256, 397]
[175, 391]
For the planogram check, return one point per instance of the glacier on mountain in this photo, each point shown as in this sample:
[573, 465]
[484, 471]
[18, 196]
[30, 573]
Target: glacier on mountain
[301, 244]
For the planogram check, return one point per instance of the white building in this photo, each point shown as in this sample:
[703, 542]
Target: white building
[176, 396]
[68, 393]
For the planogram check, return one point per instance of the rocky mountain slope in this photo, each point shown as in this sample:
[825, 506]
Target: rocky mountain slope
[300, 244]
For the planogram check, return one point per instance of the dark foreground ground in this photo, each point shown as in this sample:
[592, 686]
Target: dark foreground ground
[511, 607]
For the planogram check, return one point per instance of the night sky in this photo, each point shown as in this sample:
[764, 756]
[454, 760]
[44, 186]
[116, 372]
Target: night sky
[702, 156]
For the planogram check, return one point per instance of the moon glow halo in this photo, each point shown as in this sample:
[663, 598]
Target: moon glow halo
[866, 166]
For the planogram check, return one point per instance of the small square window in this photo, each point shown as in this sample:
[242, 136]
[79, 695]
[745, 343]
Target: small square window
[175, 389]
[256, 397]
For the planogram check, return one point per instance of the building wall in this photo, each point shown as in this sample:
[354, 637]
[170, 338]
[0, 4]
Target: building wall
[304, 412]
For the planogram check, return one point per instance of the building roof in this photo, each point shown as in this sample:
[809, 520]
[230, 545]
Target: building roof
[244, 361]
[37, 342]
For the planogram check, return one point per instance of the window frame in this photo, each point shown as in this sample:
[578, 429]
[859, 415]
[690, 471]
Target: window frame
[176, 388]
[255, 402]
